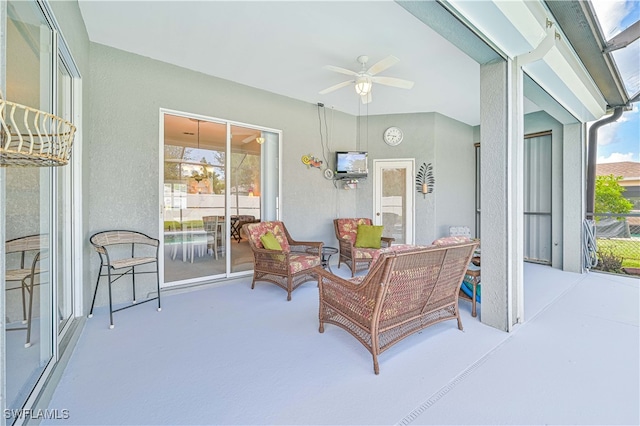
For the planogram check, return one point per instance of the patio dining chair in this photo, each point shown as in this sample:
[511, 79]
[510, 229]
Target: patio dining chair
[214, 227]
[32, 250]
[120, 253]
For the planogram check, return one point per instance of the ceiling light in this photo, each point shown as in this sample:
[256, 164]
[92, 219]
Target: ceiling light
[260, 140]
[363, 85]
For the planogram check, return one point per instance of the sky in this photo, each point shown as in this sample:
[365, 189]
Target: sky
[620, 141]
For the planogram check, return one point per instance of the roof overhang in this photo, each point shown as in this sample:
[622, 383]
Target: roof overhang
[580, 26]
[517, 27]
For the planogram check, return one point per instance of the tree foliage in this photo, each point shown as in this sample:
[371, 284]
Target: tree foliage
[609, 197]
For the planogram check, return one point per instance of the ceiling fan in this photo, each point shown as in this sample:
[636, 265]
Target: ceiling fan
[365, 78]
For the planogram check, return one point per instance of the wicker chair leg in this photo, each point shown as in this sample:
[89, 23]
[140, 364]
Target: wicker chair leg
[459, 322]
[376, 368]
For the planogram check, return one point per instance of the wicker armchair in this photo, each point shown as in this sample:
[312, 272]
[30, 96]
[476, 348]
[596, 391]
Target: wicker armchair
[120, 253]
[404, 292]
[357, 259]
[287, 268]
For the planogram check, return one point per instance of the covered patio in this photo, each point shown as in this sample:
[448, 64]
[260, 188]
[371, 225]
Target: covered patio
[228, 355]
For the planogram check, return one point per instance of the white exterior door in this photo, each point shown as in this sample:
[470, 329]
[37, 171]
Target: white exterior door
[393, 198]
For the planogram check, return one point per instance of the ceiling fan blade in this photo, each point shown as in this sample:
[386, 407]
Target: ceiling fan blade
[250, 138]
[336, 87]
[340, 70]
[382, 65]
[392, 81]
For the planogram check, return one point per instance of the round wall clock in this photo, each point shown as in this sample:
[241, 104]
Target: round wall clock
[393, 136]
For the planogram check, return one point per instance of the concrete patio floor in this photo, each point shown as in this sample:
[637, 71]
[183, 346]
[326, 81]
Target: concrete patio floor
[228, 355]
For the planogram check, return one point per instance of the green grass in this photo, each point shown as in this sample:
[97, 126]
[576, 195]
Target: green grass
[628, 250]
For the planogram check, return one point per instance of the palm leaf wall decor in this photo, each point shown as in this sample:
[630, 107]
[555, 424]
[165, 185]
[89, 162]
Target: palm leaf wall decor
[425, 180]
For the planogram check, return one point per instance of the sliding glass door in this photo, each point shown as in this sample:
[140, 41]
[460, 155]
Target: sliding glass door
[38, 291]
[212, 184]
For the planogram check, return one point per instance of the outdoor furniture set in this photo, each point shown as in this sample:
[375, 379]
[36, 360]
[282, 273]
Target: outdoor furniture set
[406, 289]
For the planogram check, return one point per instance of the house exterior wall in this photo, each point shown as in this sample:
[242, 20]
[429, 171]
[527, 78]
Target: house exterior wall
[455, 152]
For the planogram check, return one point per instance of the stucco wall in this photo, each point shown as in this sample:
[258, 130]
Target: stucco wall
[441, 141]
[455, 175]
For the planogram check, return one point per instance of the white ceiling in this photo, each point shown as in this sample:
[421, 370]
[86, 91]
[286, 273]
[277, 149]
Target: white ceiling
[281, 47]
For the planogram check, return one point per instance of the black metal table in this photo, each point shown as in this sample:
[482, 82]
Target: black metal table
[327, 252]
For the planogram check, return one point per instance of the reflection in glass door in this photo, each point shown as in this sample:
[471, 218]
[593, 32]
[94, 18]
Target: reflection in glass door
[393, 199]
[209, 195]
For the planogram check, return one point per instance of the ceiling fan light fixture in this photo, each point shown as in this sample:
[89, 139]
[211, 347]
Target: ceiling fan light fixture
[260, 140]
[363, 85]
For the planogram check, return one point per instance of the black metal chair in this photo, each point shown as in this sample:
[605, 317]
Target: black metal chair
[114, 263]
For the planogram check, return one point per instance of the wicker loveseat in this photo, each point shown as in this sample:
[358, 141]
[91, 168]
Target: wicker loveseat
[404, 292]
[289, 267]
[355, 258]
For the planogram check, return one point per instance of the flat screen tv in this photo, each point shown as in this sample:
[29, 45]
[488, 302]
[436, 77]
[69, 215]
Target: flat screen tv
[351, 164]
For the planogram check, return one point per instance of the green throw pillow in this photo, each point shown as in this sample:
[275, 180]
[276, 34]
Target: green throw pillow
[270, 242]
[368, 236]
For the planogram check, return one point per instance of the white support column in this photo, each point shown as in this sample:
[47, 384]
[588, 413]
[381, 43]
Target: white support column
[573, 172]
[502, 200]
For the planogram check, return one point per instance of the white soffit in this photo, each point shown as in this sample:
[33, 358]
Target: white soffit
[517, 27]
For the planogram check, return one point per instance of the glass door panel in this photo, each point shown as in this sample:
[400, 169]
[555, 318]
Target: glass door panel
[245, 192]
[194, 188]
[28, 303]
[214, 182]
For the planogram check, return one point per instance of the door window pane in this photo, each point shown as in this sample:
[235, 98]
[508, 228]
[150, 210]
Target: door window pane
[393, 205]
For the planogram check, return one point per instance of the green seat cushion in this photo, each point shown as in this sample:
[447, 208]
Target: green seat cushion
[368, 236]
[270, 242]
